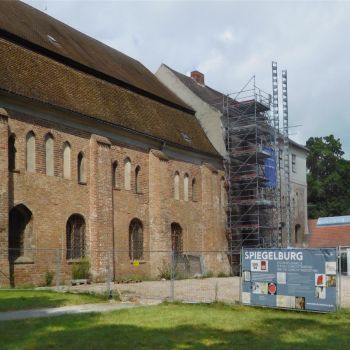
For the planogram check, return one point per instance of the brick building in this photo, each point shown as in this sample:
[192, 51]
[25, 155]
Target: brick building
[97, 155]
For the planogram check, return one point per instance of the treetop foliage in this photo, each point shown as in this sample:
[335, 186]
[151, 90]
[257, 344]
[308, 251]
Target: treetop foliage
[328, 178]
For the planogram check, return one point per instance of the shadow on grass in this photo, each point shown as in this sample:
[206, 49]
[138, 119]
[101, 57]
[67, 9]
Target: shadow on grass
[96, 332]
[25, 300]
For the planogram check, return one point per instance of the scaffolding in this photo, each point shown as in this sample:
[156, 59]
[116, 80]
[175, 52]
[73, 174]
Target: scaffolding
[251, 171]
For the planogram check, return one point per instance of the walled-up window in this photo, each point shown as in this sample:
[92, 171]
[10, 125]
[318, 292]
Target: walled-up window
[222, 192]
[127, 174]
[138, 179]
[66, 160]
[297, 233]
[20, 231]
[12, 152]
[186, 179]
[81, 168]
[30, 152]
[115, 174]
[75, 235]
[176, 238]
[177, 186]
[49, 155]
[194, 190]
[135, 239]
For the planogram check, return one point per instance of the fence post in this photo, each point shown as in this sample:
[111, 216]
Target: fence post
[109, 275]
[339, 253]
[58, 268]
[172, 273]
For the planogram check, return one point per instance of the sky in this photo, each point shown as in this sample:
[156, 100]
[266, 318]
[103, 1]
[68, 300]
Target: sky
[231, 41]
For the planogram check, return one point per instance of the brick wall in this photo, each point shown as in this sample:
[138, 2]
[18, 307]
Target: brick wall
[107, 209]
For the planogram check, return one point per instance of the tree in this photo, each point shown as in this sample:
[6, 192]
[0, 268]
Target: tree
[328, 178]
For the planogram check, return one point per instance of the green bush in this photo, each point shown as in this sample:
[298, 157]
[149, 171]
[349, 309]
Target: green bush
[165, 270]
[81, 269]
[223, 274]
[49, 275]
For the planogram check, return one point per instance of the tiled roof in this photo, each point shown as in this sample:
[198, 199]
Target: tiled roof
[204, 92]
[25, 71]
[36, 29]
[328, 236]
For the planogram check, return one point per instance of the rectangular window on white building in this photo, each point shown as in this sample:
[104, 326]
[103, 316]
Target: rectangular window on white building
[294, 161]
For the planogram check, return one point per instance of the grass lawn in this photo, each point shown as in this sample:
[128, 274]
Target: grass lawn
[176, 326]
[28, 299]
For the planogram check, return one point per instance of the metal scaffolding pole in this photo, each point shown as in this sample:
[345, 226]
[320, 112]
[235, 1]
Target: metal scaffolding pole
[286, 164]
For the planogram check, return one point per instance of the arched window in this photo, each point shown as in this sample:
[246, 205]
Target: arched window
[135, 239]
[194, 190]
[177, 186]
[81, 168]
[75, 234]
[137, 180]
[115, 174]
[20, 231]
[12, 152]
[127, 174]
[186, 187]
[30, 152]
[49, 155]
[66, 160]
[176, 238]
[222, 192]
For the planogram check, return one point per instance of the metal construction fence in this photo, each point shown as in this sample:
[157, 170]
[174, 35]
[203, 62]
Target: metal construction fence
[187, 276]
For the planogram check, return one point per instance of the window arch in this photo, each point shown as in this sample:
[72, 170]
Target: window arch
[137, 179]
[115, 174]
[66, 160]
[186, 180]
[177, 186]
[135, 239]
[81, 168]
[127, 174]
[75, 235]
[49, 155]
[20, 231]
[30, 152]
[176, 238]
[12, 152]
[194, 190]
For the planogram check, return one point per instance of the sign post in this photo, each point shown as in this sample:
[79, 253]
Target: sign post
[301, 279]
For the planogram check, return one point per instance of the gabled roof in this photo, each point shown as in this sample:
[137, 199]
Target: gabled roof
[40, 32]
[37, 75]
[211, 96]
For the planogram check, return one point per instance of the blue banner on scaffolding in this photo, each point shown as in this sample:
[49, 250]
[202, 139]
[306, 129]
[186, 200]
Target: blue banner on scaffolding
[270, 168]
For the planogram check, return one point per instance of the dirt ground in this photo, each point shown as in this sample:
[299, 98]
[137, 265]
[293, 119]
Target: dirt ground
[224, 289]
[190, 290]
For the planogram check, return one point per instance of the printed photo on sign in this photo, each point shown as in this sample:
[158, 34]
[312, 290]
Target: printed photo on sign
[281, 277]
[300, 303]
[272, 288]
[331, 268]
[246, 298]
[246, 276]
[260, 288]
[259, 265]
[320, 292]
[320, 280]
[331, 281]
[285, 301]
